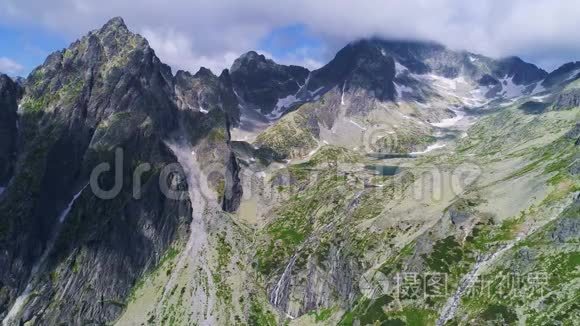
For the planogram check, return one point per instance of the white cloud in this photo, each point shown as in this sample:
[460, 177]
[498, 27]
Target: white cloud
[299, 57]
[176, 50]
[187, 33]
[9, 66]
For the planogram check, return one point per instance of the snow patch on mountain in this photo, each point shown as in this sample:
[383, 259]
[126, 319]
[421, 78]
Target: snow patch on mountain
[539, 88]
[540, 98]
[510, 89]
[400, 89]
[400, 69]
[429, 148]
[282, 106]
[450, 122]
[316, 91]
[342, 95]
[356, 124]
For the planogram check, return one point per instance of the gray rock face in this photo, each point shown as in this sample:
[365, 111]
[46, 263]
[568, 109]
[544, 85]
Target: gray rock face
[297, 295]
[563, 73]
[488, 80]
[233, 187]
[522, 73]
[359, 65]
[567, 100]
[10, 93]
[370, 65]
[205, 92]
[574, 133]
[567, 229]
[261, 82]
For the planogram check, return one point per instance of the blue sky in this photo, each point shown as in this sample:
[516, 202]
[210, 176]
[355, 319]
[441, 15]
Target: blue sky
[295, 43]
[28, 46]
[213, 33]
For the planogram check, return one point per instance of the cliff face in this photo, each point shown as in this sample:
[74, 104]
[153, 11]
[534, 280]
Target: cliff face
[69, 236]
[261, 82]
[10, 93]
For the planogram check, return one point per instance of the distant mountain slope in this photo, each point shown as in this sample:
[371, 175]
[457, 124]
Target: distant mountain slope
[261, 82]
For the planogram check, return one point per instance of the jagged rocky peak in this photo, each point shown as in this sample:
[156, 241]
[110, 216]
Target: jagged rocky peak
[204, 92]
[372, 64]
[250, 58]
[113, 44]
[380, 65]
[429, 57]
[197, 92]
[520, 72]
[112, 67]
[261, 82]
[204, 72]
[359, 65]
[106, 91]
[116, 23]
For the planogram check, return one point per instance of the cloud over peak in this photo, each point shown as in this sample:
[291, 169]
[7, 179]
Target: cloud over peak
[9, 66]
[189, 34]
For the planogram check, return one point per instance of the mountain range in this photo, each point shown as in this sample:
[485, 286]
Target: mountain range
[387, 187]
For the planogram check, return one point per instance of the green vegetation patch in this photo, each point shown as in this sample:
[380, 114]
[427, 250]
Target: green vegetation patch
[259, 316]
[446, 253]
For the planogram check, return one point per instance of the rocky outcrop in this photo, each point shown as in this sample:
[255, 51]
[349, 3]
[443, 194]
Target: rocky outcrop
[566, 72]
[358, 66]
[567, 100]
[520, 72]
[567, 229]
[233, 187]
[204, 92]
[261, 82]
[305, 285]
